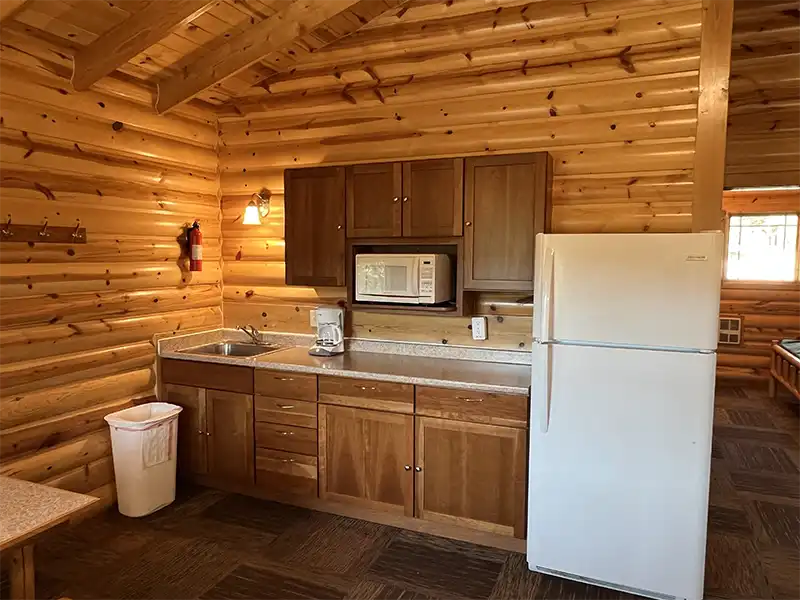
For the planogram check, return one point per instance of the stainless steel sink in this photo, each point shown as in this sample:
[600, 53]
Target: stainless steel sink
[234, 349]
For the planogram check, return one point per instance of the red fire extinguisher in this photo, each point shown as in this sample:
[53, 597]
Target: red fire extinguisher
[195, 247]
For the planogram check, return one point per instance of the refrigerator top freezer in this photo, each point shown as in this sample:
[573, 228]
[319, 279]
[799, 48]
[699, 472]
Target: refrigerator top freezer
[642, 290]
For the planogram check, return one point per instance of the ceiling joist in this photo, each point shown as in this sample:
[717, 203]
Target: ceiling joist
[269, 35]
[135, 34]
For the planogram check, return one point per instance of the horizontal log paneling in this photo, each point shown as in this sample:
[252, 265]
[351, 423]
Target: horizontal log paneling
[609, 88]
[763, 125]
[78, 320]
[763, 150]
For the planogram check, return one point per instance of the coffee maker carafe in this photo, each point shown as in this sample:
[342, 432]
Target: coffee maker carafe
[330, 332]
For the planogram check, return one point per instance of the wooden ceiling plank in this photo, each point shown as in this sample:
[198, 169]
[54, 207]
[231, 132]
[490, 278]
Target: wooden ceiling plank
[131, 37]
[247, 48]
[8, 8]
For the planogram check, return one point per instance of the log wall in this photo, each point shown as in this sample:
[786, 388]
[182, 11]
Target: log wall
[769, 311]
[764, 108]
[77, 321]
[609, 88]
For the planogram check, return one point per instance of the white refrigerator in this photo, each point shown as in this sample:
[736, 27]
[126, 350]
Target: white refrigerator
[622, 397]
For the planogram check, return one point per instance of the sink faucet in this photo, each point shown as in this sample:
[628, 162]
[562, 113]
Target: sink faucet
[253, 333]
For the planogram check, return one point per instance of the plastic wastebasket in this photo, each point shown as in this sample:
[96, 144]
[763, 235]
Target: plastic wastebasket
[144, 443]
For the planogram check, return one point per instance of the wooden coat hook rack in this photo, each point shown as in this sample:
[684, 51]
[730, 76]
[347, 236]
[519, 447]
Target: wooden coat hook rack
[43, 234]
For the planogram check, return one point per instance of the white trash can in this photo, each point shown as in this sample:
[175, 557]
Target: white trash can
[144, 442]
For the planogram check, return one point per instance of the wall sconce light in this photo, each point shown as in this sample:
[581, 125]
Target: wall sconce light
[257, 208]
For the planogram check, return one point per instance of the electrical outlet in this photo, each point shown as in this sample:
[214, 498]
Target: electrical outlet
[478, 328]
[312, 317]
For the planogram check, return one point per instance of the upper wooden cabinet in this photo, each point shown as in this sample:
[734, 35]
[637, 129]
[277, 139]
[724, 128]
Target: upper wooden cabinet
[315, 226]
[433, 197]
[421, 198]
[507, 202]
[373, 200]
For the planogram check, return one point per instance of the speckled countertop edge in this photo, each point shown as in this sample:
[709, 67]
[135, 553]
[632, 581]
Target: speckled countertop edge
[175, 347]
[423, 349]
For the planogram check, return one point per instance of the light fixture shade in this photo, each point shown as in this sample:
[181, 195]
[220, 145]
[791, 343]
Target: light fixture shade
[251, 215]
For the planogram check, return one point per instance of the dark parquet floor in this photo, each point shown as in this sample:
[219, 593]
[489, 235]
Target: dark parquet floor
[215, 545]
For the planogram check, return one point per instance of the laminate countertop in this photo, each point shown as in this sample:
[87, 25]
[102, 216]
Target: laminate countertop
[500, 378]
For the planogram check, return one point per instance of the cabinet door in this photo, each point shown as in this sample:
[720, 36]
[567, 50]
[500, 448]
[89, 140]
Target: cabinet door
[506, 202]
[192, 457]
[472, 475]
[373, 200]
[433, 197]
[366, 457]
[314, 201]
[231, 445]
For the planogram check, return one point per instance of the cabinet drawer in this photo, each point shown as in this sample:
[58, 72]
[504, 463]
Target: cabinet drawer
[286, 437]
[286, 412]
[283, 384]
[212, 376]
[286, 473]
[366, 393]
[478, 407]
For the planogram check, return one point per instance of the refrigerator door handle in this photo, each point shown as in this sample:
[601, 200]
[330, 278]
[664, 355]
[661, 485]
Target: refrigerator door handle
[544, 417]
[547, 294]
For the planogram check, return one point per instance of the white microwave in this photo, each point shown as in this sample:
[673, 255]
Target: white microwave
[404, 278]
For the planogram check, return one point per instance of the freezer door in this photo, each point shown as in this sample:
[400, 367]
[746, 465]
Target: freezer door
[619, 473]
[654, 290]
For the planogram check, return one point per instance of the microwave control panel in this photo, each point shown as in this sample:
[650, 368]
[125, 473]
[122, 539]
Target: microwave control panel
[426, 277]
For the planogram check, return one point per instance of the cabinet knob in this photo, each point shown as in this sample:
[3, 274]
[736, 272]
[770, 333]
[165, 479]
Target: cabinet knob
[405, 199]
[468, 223]
[407, 467]
[418, 469]
[199, 433]
[338, 227]
[395, 199]
[207, 433]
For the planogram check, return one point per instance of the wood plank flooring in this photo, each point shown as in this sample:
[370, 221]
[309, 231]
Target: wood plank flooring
[215, 545]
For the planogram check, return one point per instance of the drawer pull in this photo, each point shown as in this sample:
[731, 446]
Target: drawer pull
[286, 406]
[285, 378]
[470, 399]
[286, 432]
[365, 388]
[287, 460]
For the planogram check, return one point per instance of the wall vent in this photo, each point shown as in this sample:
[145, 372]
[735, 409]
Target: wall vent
[730, 330]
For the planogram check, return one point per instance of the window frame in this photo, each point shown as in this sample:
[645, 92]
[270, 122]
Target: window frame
[762, 282]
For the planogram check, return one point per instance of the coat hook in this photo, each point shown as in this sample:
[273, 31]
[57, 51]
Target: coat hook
[6, 231]
[76, 234]
[44, 232]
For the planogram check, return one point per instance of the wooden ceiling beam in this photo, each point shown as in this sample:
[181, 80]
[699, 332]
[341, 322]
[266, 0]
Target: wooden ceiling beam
[134, 35]
[294, 21]
[8, 8]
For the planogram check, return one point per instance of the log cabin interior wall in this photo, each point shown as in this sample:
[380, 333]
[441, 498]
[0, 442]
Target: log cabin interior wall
[78, 320]
[763, 151]
[608, 87]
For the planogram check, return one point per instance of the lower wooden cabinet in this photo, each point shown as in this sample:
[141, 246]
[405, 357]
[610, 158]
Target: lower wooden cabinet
[192, 446]
[472, 475]
[231, 448]
[215, 433]
[366, 458]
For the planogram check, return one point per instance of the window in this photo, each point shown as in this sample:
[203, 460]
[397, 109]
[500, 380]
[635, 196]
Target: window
[762, 247]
